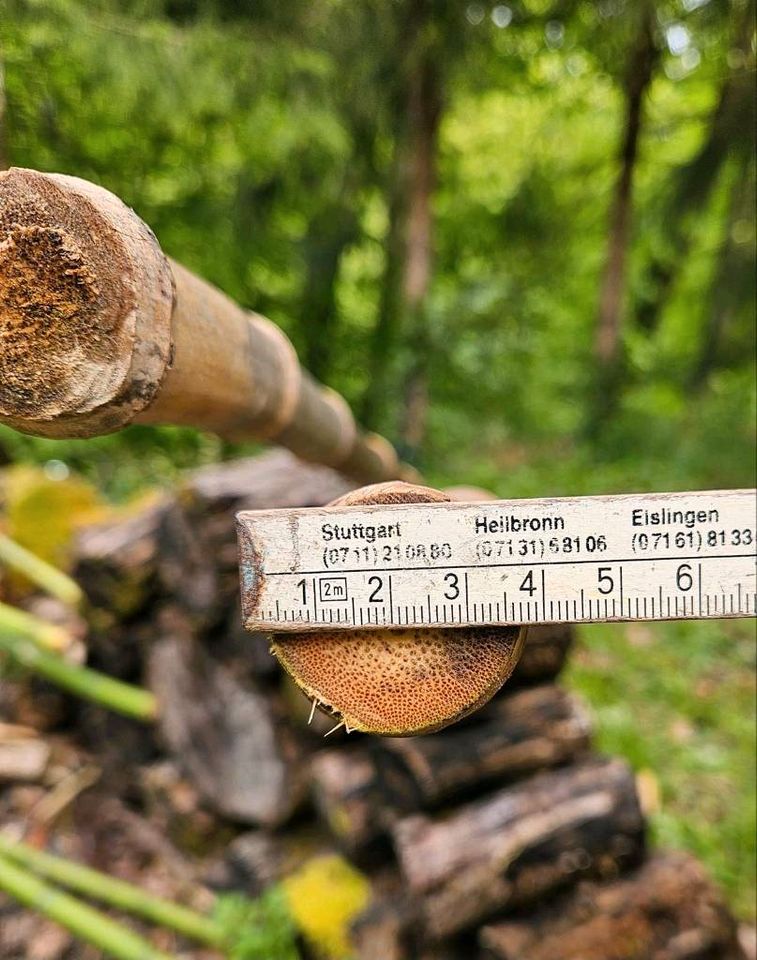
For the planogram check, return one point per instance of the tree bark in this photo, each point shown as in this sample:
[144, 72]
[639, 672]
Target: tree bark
[329, 235]
[638, 77]
[520, 843]
[409, 238]
[732, 282]
[667, 910]
[730, 133]
[424, 106]
[4, 144]
[387, 325]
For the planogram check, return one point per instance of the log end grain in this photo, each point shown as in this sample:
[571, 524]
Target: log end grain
[86, 298]
[399, 682]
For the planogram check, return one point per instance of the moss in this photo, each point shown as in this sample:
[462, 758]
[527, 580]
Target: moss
[324, 897]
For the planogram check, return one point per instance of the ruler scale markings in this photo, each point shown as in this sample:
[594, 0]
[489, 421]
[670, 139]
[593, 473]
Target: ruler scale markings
[543, 594]
[699, 586]
[653, 545]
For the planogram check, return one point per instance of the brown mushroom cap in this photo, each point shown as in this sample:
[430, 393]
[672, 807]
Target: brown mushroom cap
[400, 682]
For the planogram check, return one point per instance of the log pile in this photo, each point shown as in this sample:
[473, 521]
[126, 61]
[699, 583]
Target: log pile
[502, 837]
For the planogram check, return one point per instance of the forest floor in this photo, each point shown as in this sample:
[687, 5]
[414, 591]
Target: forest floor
[678, 701]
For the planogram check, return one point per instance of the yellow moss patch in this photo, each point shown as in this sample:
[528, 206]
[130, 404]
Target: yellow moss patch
[324, 897]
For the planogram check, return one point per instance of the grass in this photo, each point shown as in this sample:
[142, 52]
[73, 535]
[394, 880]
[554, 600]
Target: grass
[678, 701]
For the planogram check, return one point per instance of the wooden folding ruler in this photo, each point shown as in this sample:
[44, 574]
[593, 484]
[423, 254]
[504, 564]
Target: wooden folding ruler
[653, 556]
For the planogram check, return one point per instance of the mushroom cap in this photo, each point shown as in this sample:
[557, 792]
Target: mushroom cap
[399, 682]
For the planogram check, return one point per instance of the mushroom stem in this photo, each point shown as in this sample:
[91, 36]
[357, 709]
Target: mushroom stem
[98, 329]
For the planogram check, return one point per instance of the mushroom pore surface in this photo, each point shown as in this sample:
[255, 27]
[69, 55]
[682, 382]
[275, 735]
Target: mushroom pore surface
[399, 682]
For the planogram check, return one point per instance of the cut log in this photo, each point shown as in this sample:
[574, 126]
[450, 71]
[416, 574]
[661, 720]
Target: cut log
[362, 790]
[351, 801]
[544, 654]
[232, 739]
[520, 734]
[384, 931]
[521, 843]
[116, 562]
[667, 910]
[387, 930]
[198, 544]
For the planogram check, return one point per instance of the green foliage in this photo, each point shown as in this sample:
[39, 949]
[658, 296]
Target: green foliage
[260, 929]
[242, 132]
[677, 700]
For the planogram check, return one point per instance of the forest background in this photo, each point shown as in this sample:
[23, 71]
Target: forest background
[519, 238]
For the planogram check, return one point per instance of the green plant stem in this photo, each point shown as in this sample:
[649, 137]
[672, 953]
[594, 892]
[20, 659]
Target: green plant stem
[46, 635]
[118, 696]
[116, 893]
[39, 572]
[81, 919]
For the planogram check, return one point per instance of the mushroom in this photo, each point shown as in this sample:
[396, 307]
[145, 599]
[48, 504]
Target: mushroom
[399, 682]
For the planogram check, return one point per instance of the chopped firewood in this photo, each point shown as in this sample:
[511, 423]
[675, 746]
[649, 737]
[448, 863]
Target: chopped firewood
[521, 843]
[666, 910]
[232, 739]
[361, 791]
[544, 653]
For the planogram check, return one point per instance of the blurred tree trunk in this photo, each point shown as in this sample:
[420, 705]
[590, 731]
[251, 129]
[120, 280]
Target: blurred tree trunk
[612, 290]
[409, 238]
[733, 281]
[4, 157]
[386, 328]
[424, 111]
[330, 232]
[5, 457]
[731, 131]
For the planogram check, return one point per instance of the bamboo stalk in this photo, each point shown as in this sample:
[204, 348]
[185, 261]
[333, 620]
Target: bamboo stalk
[101, 330]
[115, 893]
[77, 917]
[49, 636]
[81, 681]
[39, 572]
